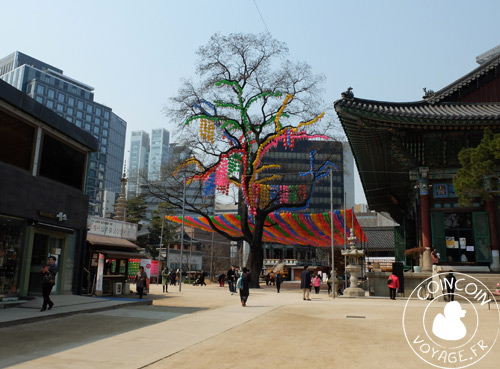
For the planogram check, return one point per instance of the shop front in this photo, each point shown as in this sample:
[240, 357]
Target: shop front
[461, 236]
[111, 256]
[43, 209]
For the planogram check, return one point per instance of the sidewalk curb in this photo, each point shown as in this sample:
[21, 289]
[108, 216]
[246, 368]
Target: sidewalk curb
[44, 317]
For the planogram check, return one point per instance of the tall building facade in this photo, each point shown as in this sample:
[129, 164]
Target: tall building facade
[138, 162]
[158, 152]
[74, 101]
[296, 161]
[148, 153]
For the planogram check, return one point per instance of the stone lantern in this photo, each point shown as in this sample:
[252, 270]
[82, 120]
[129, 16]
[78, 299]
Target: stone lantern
[353, 255]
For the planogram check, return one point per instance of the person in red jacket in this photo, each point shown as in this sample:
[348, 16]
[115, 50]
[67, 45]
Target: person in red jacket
[393, 284]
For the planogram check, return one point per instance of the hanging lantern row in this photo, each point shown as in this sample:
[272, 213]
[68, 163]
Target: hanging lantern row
[207, 130]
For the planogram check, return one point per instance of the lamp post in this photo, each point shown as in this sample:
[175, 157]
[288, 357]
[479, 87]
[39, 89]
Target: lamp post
[182, 232]
[161, 245]
[212, 246]
[331, 232]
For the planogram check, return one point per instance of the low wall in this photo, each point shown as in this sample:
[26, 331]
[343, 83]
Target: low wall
[377, 282]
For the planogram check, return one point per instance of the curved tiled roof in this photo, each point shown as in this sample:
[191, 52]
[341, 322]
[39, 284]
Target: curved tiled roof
[423, 110]
[466, 80]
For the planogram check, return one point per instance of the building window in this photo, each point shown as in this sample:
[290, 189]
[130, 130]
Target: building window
[70, 111]
[106, 124]
[51, 93]
[71, 100]
[89, 108]
[97, 121]
[61, 162]
[60, 107]
[16, 142]
[87, 126]
[50, 104]
[79, 123]
[88, 118]
[105, 132]
[96, 129]
[106, 114]
[98, 111]
[39, 99]
[61, 97]
[80, 104]
[40, 89]
[79, 114]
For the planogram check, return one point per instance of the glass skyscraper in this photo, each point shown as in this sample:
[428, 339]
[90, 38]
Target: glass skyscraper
[138, 162]
[74, 101]
[158, 152]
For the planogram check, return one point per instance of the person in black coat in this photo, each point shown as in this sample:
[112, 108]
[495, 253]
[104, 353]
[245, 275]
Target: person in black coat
[48, 281]
[451, 281]
[245, 287]
[305, 283]
[231, 280]
[141, 281]
[279, 279]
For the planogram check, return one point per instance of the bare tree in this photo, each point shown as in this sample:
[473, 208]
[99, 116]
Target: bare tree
[248, 99]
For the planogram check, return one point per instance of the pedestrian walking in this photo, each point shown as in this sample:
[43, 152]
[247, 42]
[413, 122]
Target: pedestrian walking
[279, 279]
[317, 283]
[231, 279]
[141, 281]
[244, 286]
[451, 281]
[222, 277]
[305, 283]
[48, 281]
[173, 277]
[393, 284]
[164, 279]
[202, 279]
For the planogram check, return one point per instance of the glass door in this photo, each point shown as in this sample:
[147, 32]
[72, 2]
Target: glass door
[39, 257]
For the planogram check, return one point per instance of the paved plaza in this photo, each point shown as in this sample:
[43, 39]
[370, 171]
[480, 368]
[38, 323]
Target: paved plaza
[213, 330]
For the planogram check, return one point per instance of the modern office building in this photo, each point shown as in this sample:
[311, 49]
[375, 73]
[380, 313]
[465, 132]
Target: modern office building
[296, 161]
[158, 152]
[74, 101]
[148, 153]
[138, 162]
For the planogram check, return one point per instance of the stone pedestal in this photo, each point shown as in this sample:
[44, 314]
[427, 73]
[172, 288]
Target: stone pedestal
[427, 261]
[354, 290]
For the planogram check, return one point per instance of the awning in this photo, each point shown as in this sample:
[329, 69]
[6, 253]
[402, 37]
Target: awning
[54, 228]
[112, 243]
[114, 254]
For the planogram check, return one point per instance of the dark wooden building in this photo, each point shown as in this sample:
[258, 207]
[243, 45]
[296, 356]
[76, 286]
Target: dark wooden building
[407, 157]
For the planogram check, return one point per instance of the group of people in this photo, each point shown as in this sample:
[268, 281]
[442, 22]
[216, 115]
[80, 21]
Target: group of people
[274, 279]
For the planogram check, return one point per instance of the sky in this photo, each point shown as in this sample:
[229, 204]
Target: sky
[135, 53]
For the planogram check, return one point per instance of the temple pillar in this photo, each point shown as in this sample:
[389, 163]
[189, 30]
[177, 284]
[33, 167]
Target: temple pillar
[425, 219]
[490, 208]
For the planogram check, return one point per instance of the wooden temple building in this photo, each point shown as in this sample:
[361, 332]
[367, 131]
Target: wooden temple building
[407, 157]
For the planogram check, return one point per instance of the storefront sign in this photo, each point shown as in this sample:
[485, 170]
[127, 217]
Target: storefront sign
[100, 274]
[112, 228]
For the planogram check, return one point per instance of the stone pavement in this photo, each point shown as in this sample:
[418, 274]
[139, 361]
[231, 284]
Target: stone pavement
[274, 330]
[64, 305]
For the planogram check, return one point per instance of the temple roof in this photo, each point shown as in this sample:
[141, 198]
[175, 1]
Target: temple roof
[422, 111]
[489, 67]
[383, 165]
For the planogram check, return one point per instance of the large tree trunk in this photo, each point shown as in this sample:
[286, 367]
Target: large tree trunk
[256, 254]
[255, 261]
